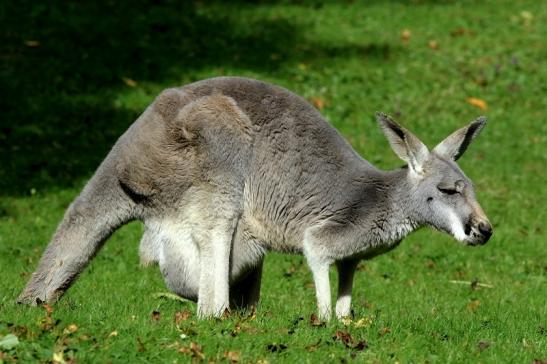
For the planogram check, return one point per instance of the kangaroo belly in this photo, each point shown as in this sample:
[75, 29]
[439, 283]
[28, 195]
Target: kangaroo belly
[172, 246]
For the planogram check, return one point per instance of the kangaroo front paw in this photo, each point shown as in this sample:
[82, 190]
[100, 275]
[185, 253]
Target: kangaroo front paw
[37, 293]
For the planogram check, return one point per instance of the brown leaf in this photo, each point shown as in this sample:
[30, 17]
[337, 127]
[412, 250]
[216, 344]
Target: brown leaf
[129, 82]
[314, 321]
[433, 44]
[361, 345]
[195, 350]
[182, 316]
[232, 356]
[236, 330]
[140, 345]
[481, 104]
[473, 305]
[155, 316]
[226, 313]
[459, 32]
[348, 341]
[343, 336]
[290, 271]
[32, 43]
[483, 345]
[383, 331]
[313, 347]
[405, 35]
[72, 328]
[540, 361]
[48, 308]
[318, 102]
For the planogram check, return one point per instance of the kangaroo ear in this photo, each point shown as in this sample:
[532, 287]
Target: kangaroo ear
[456, 143]
[405, 144]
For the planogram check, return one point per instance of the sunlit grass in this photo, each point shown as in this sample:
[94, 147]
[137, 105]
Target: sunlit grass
[354, 59]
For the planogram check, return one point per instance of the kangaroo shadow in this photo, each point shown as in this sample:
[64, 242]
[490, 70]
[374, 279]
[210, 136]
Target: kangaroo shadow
[61, 61]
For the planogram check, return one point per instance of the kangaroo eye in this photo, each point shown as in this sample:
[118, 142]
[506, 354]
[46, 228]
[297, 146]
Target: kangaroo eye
[448, 191]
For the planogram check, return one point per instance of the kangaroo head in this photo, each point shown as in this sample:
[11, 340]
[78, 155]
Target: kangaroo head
[436, 189]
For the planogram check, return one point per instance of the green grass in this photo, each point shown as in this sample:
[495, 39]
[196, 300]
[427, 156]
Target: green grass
[64, 103]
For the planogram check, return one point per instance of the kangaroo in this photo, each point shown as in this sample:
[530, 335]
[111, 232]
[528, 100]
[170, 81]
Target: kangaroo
[224, 170]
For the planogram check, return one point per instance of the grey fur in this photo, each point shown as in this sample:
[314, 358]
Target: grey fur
[223, 170]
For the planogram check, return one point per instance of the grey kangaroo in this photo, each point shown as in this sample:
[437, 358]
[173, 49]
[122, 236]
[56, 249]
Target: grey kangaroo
[223, 170]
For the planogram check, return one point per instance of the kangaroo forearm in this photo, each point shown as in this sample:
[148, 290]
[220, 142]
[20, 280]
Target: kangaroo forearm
[88, 222]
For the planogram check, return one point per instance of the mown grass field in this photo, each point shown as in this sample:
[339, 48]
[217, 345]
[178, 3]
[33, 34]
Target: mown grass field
[74, 76]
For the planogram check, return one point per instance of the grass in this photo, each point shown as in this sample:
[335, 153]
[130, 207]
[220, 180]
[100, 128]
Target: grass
[75, 75]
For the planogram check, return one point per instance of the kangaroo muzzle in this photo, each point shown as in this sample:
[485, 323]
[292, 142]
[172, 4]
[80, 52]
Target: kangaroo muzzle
[485, 229]
[478, 231]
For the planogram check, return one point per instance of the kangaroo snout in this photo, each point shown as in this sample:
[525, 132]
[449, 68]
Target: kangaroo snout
[478, 231]
[485, 228]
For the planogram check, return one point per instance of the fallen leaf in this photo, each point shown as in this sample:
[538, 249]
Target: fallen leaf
[314, 321]
[262, 361]
[194, 349]
[232, 356]
[290, 271]
[182, 316]
[405, 35]
[155, 316]
[8, 342]
[318, 102]
[129, 82]
[459, 32]
[364, 322]
[140, 345]
[481, 104]
[226, 313]
[346, 321]
[113, 334]
[48, 308]
[70, 329]
[383, 331]
[348, 341]
[473, 305]
[433, 44]
[361, 345]
[32, 43]
[236, 330]
[343, 336]
[313, 347]
[58, 358]
[540, 361]
[483, 345]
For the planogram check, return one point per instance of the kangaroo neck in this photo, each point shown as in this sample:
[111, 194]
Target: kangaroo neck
[392, 217]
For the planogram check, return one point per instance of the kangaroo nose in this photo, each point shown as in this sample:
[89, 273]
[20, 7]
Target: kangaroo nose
[485, 229]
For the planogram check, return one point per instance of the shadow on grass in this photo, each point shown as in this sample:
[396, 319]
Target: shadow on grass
[60, 62]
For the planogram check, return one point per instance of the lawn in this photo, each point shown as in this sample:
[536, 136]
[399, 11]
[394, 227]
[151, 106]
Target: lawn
[74, 75]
